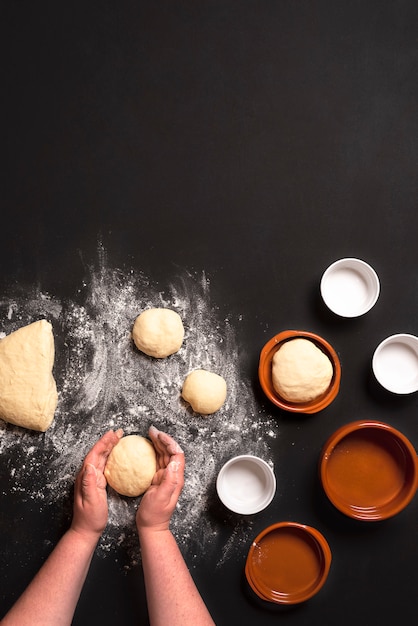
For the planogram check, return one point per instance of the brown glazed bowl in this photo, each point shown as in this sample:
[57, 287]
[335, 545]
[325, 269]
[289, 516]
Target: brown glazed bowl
[369, 470]
[265, 372]
[288, 563]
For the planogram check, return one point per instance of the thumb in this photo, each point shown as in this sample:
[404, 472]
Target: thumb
[171, 481]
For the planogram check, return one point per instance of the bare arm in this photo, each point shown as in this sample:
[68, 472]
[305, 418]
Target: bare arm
[172, 595]
[52, 596]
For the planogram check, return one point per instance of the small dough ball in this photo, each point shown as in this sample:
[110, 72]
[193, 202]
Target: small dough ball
[205, 391]
[301, 372]
[158, 332]
[28, 392]
[131, 465]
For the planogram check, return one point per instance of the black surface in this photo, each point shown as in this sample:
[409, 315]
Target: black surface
[258, 142]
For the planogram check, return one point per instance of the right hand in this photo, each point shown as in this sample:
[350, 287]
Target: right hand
[160, 499]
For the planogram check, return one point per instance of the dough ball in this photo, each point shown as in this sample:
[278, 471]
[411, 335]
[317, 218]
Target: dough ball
[28, 392]
[301, 372]
[131, 465]
[205, 391]
[158, 332]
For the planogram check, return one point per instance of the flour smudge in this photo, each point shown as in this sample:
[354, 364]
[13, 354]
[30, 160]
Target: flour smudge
[105, 382]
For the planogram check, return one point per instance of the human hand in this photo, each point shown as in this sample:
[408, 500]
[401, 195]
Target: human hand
[160, 499]
[90, 497]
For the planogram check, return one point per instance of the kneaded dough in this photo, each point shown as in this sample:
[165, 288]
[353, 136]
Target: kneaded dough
[205, 391]
[28, 392]
[301, 372]
[131, 465]
[158, 332]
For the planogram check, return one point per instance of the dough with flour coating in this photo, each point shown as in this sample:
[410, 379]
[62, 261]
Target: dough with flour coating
[158, 332]
[28, 392]
[205, 391]
[301, 372]
[131, 465]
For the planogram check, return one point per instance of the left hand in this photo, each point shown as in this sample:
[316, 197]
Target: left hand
[90, 497]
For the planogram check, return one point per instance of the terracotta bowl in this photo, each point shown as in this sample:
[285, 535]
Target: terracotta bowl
[288, 563]
[265, 372]
[369, 470]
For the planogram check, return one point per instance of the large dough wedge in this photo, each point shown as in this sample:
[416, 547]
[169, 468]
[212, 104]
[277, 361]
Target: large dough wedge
[28, 392]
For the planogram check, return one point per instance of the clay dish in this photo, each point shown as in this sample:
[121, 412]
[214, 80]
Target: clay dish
[265, 372]
[288, 563]
[369, 470]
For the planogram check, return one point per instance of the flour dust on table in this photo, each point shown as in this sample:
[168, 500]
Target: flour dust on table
[105, 382]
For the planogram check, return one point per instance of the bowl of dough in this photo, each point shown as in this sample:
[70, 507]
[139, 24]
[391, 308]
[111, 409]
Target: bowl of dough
[299, 371]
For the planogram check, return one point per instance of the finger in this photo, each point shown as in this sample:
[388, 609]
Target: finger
[99, 453]
[170, 444]
[171, 481]
[103, 447]
[163, 457]
[180, 461]
[165, 445]
[154, 436]
[175, 475]
[158, 476]
[160, 473]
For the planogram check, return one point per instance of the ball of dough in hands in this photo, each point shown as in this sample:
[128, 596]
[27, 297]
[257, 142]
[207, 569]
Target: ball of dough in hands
[301, 372]
[131, 465]
[205, 391]
[158, 332]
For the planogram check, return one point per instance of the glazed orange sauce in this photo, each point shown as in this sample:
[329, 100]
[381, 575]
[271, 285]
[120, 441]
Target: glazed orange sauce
[367, 470]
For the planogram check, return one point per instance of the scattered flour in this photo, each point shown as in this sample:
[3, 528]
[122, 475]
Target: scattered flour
[105, 382]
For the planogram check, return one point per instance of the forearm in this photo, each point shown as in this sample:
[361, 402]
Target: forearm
[52, 596]
[172, 595]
